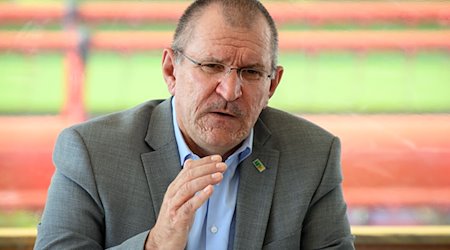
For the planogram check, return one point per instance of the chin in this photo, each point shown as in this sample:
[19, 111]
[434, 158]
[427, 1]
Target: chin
[225, 139]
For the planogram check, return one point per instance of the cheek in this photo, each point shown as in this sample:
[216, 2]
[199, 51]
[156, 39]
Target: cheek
[254, 105]
[185, 85]
[257, 100]
[192, 92]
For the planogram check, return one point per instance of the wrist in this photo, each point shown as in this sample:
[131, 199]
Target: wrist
[150, 242]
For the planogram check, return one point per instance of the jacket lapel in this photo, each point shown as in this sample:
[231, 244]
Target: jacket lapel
[162, 165]
[255, 192]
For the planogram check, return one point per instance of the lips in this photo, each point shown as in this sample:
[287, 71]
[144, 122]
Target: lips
[221, 113]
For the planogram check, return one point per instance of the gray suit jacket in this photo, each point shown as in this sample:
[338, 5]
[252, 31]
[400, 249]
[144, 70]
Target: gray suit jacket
[112, 173]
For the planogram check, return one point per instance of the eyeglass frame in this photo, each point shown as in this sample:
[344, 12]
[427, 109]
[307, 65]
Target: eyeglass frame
[227, 68]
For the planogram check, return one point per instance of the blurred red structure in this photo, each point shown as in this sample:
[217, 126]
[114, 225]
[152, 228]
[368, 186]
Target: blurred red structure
[389, 160]
[26, 144]
[314, 12]
[294, 41]
[393, 159]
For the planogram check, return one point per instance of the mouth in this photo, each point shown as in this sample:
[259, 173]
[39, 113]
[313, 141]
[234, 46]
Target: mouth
[223, 114]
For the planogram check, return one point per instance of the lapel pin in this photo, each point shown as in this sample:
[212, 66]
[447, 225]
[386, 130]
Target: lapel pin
[259, 165]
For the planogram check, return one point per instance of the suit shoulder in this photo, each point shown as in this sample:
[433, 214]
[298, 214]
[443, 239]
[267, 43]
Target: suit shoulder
[128, 125]
[281, 122]
[139, 115]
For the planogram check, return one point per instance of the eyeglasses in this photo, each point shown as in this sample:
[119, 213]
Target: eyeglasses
[250, 75]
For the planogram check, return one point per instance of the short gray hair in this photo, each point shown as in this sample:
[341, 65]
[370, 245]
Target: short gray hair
[243, 14]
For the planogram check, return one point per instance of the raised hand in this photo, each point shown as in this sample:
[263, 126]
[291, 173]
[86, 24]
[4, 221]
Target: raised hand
[190, 189]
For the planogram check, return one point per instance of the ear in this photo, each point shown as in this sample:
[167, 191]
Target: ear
[168, 68]
[276, 80]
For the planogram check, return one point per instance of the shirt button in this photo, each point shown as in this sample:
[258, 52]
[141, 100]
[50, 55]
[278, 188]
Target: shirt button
[214, 229]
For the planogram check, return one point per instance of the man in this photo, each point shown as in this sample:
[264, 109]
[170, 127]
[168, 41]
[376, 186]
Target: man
[210, 168]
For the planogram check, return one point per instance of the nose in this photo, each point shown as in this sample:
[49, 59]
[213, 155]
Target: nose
[229, 87]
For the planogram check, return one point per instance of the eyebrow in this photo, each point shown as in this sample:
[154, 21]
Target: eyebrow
[255, 66]
[215, 60]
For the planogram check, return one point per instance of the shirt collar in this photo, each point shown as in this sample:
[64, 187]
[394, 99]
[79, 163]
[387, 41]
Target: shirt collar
[185, 152]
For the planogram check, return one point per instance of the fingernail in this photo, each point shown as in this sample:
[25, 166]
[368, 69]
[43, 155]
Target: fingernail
[207, 189]
[215, 175]
[216, 158]
[221, 165]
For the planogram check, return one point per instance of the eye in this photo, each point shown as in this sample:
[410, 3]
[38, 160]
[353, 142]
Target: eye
[213, 68]
[251, 74]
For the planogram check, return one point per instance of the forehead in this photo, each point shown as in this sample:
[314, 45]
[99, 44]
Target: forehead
[212, 35]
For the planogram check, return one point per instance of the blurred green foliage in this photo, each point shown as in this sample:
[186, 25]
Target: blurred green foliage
[337, 82]
[19, 218]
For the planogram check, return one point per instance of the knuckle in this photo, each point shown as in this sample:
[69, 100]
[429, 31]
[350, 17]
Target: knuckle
[169, 204]
[190, 174]
[172, 214]
[186, 188]
[171, 187]
[171, 190]
[188, 163]
[188, 208]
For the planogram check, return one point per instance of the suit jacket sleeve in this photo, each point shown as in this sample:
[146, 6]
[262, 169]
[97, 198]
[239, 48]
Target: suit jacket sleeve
[73, 217]
[326, 225]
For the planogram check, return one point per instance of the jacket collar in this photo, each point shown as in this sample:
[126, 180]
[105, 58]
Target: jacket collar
[162, 165]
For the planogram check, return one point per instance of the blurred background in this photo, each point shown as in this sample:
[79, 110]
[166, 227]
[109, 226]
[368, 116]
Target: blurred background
[375, 73]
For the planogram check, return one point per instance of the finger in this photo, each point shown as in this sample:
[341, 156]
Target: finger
[188, 209]
[206, 169]
[204, 166]
[189, 163]
[189, 174]
[194, 187]
[171, 223]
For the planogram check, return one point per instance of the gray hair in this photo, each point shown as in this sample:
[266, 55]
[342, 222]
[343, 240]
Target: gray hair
[236, 13]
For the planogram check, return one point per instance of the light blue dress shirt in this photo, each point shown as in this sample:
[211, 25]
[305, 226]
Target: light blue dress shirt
[213, 226]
